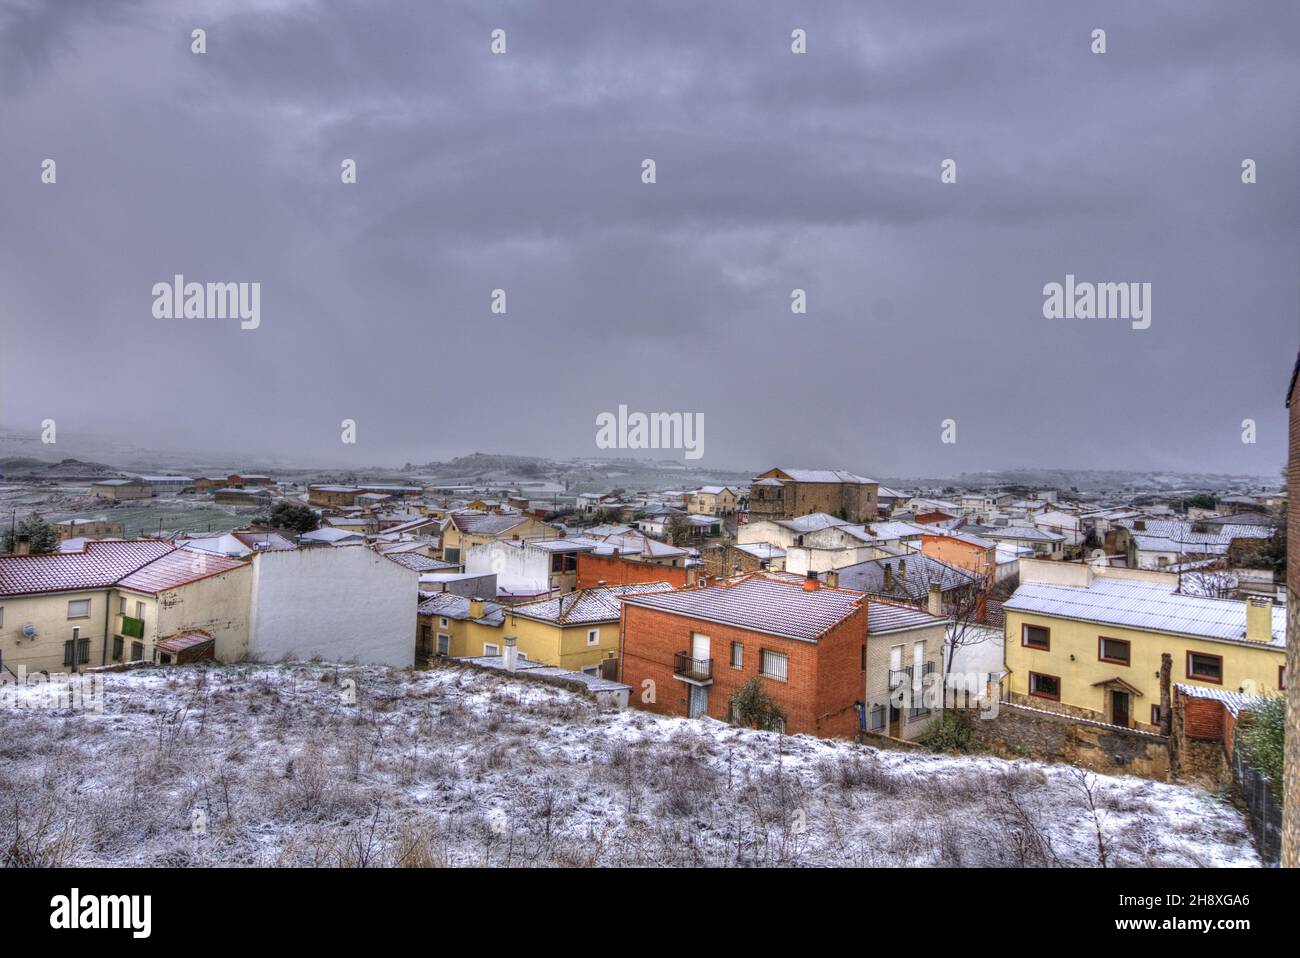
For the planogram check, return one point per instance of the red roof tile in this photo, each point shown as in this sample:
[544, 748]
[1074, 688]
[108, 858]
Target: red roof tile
[176, 569]
[98, 566]
[145, 565]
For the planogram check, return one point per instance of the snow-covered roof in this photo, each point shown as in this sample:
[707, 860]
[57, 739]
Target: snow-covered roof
[773, 605]
[1150, 606]
[813, 522]
[586, 606]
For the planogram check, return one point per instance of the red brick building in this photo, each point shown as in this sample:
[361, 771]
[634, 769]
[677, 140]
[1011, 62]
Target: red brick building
[595, 570]
[805, 640]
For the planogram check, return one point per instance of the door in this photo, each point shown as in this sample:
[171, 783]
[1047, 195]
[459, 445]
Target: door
[1119, 709]
[699, 701]
[699, 645]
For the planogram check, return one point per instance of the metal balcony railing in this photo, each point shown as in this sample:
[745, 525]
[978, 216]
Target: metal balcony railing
[906, 675]
[687, 667]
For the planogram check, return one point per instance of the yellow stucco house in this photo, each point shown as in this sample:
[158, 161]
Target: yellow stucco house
[1088, 641]
[577, 631]
[463, 530]
[114, 601]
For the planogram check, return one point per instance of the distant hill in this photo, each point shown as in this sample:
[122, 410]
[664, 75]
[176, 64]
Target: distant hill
[26, 467]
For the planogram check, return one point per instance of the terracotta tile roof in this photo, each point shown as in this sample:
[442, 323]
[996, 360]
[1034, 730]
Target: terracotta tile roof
[101, 565]
[144, 565]
[176, 569]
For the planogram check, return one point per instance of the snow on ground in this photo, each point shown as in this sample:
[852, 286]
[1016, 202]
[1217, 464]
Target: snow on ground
[309, 764]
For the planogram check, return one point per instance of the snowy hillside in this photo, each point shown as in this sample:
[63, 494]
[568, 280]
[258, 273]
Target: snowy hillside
[294, 765]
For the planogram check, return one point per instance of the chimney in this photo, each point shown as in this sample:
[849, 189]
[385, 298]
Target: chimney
[509, 653]
[22, 545]
[476, 608]
[935, 601]
[1259, 618]
[889, 577]
[810, 583]
[902, 568]
[833, 579]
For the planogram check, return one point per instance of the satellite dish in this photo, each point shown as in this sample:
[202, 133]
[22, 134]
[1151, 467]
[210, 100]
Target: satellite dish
[29, 630]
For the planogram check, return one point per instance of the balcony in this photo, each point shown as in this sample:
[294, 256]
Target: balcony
[699, 671]
[906, 675]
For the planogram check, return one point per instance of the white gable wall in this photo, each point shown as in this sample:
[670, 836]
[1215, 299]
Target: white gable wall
[348, 604]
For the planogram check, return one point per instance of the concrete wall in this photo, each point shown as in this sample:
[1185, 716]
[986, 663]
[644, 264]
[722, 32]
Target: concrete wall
[344, 605]
[219, 605]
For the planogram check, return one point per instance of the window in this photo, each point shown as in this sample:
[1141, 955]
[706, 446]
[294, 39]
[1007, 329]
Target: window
[1036, 637]
[737, 655]
[69, 650]
[863, 663]
[1117, 651]
[490, 649]
[1045, 686]
[121, 605]
[592, 670]
[83, 651]
[117, 648]
[2, 616]
[137, 651]
[78, 609]
[774, 665]
[139, 611]
[1155, 715]
[1281, 669]
[442, 622]
[593, 636]
[444, 643]
[1206, 668]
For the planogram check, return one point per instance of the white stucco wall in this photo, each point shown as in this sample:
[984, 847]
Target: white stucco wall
[517, 568]
[348, 604]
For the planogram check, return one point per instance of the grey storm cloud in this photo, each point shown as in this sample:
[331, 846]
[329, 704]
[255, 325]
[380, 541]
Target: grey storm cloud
[775, 171]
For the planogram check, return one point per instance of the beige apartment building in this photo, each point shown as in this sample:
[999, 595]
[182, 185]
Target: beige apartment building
[115, 602]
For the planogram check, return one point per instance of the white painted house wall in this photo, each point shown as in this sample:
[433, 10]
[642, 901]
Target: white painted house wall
[518, 568]
[343, 605]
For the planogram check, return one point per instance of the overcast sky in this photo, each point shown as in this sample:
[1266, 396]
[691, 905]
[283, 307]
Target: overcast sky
[522, 171]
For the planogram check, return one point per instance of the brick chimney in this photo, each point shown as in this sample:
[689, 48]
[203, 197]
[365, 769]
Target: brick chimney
[1259, 618]
[889, 577]
[934, 602]
[22, 545]
[833, 579]
[810, 583]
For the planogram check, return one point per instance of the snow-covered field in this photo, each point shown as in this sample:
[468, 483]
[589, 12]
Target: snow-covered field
[311, 765]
